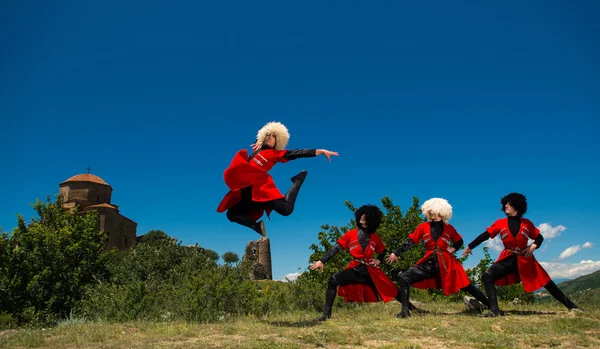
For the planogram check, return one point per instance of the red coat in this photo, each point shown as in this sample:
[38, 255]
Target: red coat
[384, 288]
[242, 173]
[452, 274]
[530, 272]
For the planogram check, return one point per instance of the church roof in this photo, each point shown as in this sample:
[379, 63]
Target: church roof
[105, 205]
[86, 177]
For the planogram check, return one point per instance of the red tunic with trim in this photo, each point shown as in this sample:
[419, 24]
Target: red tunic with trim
[242, 173]
[530, 272]
[384, 289]
[452, 274]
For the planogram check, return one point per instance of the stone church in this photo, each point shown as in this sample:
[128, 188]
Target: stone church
[91, 192]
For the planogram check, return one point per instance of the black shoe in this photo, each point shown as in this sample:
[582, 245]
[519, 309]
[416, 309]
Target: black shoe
[323, 317]
[300, 176]
[263, 228]
[260, 228]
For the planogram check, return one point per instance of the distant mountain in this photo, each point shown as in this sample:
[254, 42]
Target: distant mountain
[581, 283]
[560, 281]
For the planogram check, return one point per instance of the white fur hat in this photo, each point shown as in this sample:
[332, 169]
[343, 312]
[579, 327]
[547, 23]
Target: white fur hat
[282, 136]
[437, 206]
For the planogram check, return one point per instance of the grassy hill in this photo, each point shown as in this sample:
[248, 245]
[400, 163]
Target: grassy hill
[581, 283]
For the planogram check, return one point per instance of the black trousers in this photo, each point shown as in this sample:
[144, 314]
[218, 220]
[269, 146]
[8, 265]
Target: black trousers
[246, 205]
[431, 269]
[508, 266]
[420, 272]
[239, 212]
[357, 275]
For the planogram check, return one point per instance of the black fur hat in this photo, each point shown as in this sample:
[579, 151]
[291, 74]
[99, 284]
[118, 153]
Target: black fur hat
[516, 200]
[373, 216]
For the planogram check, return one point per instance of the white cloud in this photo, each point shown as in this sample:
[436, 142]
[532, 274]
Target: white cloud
[569, 252]
[549, 232]
[588, 245]
[495, 244]
[570, 270]
[290, 277]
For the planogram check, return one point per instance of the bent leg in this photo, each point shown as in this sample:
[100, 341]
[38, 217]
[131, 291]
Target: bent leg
[498, 270]
[343, 278]
[285, 206]
[475, 292]
[420, 272]
[240, 211]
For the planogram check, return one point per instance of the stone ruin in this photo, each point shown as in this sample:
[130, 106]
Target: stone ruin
[259, 253]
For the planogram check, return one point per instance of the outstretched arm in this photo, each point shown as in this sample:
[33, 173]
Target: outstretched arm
[321, 262]
[406, 245]
[308, 153]
[478, 240]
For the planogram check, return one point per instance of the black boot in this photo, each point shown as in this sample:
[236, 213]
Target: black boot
[560, 296]
[403, 295]
[329, 299]
[262, 230]
[475, 292]
[300, 177]
[490, 289]
[298, 180]
[246, 221]
[290, 197]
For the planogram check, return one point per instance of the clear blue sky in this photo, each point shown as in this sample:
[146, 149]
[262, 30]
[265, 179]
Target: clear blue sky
[462, 100]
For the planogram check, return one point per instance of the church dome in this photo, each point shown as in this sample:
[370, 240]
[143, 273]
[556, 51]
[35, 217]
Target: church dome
[86, 177]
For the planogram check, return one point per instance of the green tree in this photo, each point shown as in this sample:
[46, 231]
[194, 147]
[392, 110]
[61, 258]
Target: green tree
[230, 257]
[46, 263]
[211, 254]
[394, 230]
[155, 236]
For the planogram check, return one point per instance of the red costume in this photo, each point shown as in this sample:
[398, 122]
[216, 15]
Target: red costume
[530, 272]
[384, 289]
[242, 173]
[452, 274]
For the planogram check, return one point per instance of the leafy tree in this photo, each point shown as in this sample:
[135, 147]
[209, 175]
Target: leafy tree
[394, 230]
[230, 257]
[46, 263]
[211, 254]
[155, 236]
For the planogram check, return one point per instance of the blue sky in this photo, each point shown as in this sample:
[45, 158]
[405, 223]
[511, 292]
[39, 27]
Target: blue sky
[461, 100]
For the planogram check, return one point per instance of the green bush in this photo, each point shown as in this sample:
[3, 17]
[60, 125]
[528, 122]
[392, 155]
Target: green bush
[46, 263]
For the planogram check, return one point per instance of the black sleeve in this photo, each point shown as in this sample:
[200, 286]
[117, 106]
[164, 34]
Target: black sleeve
[407, 245]
[538, 241]
[478, 240]
[381, 256]
[332, 252]
[300, 153]
[457, 245]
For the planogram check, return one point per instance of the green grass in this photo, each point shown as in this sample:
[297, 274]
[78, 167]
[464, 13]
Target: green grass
[447, 325]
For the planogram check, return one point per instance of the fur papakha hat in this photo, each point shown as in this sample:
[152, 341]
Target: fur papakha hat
[282, 136]
[437, 206]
